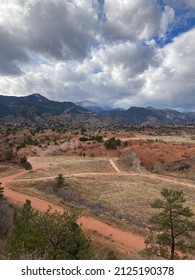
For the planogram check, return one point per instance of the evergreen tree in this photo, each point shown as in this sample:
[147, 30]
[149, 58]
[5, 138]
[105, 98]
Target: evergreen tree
[26, 238]
[60, 181]
[9, 154]
[112, 143]
[47, 236]
[25, 163]
[171, 227]
[1, 192]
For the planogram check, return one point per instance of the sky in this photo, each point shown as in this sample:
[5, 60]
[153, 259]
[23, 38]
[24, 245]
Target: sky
[117, 53]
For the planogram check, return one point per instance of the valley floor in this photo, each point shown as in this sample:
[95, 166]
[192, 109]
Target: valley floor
[114, 203]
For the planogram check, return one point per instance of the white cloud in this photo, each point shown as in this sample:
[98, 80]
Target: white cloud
[180, 3]
[61, 29]
[167, 20]
[56, 29]
[172, 84]
[129, 19]
[63, 51]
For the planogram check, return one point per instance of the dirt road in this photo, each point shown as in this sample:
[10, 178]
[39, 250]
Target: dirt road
[119, 239]
[114, 166]
[124, 241]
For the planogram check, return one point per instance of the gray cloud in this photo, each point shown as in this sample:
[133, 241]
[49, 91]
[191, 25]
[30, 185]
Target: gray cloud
[53, 28]
[131, 20]
[11, 52]
[63, 30]
[104, 51]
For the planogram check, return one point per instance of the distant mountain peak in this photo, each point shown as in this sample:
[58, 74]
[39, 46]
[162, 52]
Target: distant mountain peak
[37, 97]
[91, 106]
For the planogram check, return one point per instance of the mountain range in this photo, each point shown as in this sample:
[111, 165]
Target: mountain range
[93, 107]
[37, 108]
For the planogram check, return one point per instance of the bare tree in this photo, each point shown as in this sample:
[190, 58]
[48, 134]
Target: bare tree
[131, 160]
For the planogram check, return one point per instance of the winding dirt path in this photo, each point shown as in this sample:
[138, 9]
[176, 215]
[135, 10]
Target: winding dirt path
[121, 240]
[114, 166]
[151, 176]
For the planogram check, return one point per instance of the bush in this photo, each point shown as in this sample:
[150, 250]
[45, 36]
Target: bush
[1, 192]
[9, 154]
[83, 130]
[29, 142]
[98, 138]
[111, 256]
[6, 218]
[25, 163]
[54, 236]
[111, 144]
[130, 159]
[83, 139]
[23, 159]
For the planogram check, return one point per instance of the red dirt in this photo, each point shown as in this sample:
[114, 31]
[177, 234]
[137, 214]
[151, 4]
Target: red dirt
[150, 153]
[123, 241]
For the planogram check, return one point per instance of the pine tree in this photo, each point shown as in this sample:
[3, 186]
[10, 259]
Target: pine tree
[1, 192]
[25, 163]
[172, 227]
[60, 181]
[47, 236]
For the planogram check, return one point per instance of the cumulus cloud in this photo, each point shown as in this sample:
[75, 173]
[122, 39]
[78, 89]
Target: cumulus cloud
[172, 84]
[102, 50]
[131, 19]
[61, 29]
[11, 52]
[54, 28]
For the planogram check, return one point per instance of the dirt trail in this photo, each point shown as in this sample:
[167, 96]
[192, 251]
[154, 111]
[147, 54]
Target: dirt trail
[114, 166]
[124, 241]
[151, 176]
[121, 240]
[117, 172]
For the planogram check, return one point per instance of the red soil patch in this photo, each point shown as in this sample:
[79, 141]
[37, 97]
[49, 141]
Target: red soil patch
[125, 241]
[150, 153]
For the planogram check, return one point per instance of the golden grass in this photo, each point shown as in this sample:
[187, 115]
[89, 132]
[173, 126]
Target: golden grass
[52, 166]
[7, 170]
[34, 174]
[120, 200]
[172, 139]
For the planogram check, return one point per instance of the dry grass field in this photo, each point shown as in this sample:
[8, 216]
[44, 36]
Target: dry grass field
[7, 170]
[52, 166]
[119, 199]
[172, 139]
